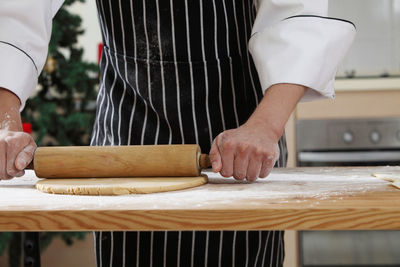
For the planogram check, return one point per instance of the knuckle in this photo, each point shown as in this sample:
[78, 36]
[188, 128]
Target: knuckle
[260, 152]
[243, 148]
[29, 153]
[11, 141]
[213, 153]
[228, 145]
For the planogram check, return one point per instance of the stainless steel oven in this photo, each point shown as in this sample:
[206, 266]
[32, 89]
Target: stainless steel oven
[349, 142]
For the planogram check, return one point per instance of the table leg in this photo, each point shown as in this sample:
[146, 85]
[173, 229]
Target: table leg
[31, 249]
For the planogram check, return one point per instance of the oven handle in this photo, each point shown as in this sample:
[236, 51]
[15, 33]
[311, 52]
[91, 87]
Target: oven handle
[351, 156]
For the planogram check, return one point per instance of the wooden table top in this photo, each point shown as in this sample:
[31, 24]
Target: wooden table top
[298, 199]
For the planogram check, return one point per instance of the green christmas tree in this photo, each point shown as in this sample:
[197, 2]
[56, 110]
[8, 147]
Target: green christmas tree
[62, 112]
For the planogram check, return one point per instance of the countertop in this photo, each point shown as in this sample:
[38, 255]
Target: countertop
[297, 198]
[367, 84]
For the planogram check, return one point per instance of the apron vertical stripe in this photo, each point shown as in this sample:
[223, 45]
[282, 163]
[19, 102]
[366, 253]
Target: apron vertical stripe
[230, 66]
[100, 249]
[205, 71]
[247, 56]
[124, 89]
[111, 128]
[234, 248]
[206, 249]
[247, 248]
[272, 249]
[151, 249]
[220, 248]
[176, 71]
[221, 108]
[111, 249]
[164, 101]
[149, 83]
[193, 248]
[178, 256]
[165, 249]
[142, 142]
[137, 248]
[123, 248]
[191, 73]
[259, 248]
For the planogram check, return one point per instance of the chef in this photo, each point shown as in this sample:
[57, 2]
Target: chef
[223, 74]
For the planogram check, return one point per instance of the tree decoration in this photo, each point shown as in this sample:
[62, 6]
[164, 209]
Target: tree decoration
[62, 111]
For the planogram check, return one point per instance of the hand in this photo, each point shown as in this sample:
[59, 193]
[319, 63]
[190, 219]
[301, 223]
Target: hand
[251, 150]
[247, 152]
[16, 152]
[16, 147]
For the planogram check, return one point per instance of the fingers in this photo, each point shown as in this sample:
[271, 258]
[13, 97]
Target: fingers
[242, 157]
[269, 162]
[266, 167]
[215, 157]
[226, 148]
[16, 152]
[3, 160]
[241, 162]
[253, 171]
[25, 156]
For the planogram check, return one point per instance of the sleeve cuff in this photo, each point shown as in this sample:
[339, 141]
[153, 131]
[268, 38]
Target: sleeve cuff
[303, 50]
[17, 72]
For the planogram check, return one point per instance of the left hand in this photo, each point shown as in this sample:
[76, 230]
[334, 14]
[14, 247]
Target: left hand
[247, 152]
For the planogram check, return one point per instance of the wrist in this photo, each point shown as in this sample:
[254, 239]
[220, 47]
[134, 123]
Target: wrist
[275, 108]
[270, 126]
[9, 111]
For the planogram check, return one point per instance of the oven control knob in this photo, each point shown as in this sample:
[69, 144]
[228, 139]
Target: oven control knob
[348, 137]
[375, 137]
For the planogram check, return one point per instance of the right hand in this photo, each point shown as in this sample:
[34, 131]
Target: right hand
[16, 152]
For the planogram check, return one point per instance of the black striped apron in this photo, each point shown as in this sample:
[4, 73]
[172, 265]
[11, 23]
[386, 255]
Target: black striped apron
[173, 72]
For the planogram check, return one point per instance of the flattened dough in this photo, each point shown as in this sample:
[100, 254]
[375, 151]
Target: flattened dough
[393, 178]
[118, 186]
[387, 177]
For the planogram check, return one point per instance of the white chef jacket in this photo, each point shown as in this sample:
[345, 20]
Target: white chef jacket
[292, 42]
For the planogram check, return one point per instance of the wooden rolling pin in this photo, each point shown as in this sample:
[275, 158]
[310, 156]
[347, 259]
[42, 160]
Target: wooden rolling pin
[119, 161]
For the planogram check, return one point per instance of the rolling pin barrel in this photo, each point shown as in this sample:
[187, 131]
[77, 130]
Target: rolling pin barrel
[118, 161]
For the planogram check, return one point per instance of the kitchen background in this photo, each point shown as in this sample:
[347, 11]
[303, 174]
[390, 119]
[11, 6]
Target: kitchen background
[365, 118]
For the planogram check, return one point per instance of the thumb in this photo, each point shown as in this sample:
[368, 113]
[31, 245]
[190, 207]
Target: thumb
[215, 157]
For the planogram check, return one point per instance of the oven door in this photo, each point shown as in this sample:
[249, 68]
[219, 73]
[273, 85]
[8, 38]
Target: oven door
[348, 143]
[348, 158]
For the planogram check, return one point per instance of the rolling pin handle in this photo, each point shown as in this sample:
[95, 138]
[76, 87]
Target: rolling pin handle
[204, 161]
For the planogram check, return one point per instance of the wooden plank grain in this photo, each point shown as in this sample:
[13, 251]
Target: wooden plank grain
[268, 219]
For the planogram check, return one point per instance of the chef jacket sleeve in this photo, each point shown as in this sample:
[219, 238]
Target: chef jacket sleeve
[293, 41]
[25, 30]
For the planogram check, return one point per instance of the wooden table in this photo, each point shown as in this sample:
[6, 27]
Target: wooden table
[299, 199]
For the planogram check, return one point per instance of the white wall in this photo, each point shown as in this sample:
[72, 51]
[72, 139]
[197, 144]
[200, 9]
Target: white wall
[376, 49]
[92, 36]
